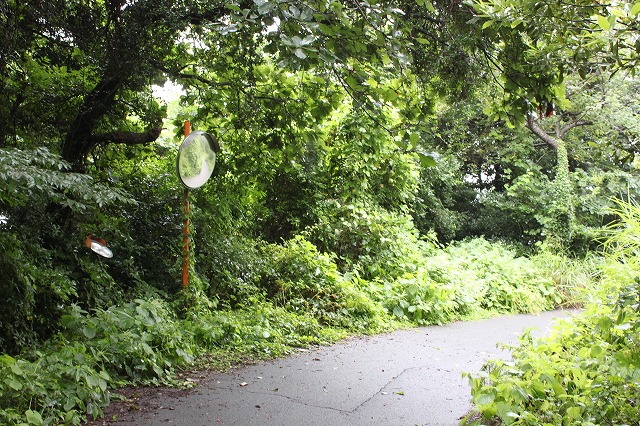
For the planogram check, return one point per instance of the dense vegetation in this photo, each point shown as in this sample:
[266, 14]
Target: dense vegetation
[586, 371]
[383, 164]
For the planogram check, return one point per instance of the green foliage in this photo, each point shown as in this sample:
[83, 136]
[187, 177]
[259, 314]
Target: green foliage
[493, 277]
[301, 279]
[41, 175]
[140, 340]
[41, 267]
[561, 212]
[29, 290]
[444, 202]
[537, 45]
[69, 378]
[587, 370]
[576, 280]
[364, 162]
[368, 238]
[318, 221]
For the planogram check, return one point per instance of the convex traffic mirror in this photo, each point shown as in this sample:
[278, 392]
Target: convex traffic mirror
[98, 246]
[197, 159]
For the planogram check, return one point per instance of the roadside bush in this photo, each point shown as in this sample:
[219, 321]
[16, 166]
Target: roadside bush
[587, 371]
[303, 280]
[259, 330]
[491, 276]
[471, 278]
[138, 341]
[232, 268]
[576, 280]
[34, 288]
[69, 377]
[420, 299]
[365, 237]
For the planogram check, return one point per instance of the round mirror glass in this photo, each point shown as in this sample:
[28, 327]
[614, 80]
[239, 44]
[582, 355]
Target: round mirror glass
[103, 251]
[196, 159]
[98, 246]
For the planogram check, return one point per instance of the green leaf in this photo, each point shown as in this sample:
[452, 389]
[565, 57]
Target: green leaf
[398, 311]
[102, 384]
[505, 411]
[487, 24]
[14, 384]
[389, 95]
[485, 399]
[414, 138]
[603, 22]
[89, 332]
[352, 82]
[326, 29]
[635, 9]
[265, 7]
[15, 369]
[426, 159]
[429, 6]
[33, 417]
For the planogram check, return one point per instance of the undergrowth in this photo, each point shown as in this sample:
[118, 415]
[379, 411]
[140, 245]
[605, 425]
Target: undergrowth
[296, 297]
[587, 371]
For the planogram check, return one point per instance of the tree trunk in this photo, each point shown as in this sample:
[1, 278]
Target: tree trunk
[79, 140]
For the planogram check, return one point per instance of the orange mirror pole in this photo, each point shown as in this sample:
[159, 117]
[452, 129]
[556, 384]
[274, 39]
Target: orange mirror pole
[185, 233]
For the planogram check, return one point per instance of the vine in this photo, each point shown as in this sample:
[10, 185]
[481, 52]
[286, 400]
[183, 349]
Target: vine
[560, 228]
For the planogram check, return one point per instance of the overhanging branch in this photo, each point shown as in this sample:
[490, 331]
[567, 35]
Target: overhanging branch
[128, 138]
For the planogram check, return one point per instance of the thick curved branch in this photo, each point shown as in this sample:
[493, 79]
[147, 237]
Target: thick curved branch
[559, 134]
[128, 138]
[540, 133]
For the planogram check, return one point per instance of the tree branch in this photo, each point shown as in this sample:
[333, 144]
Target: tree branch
[540, 133]
[128, 138]
[563, 130]
[187, 76]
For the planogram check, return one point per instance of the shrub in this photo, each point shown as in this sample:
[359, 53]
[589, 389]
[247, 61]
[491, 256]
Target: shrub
[303, 280]
[587, 370]
[363, 236]
[495, 278]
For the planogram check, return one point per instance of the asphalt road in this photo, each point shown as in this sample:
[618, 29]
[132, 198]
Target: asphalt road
[409, 377]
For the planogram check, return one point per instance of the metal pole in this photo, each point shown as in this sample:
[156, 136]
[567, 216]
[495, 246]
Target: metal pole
[185, 232]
